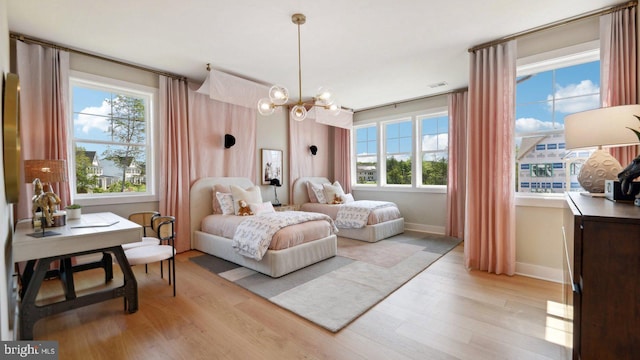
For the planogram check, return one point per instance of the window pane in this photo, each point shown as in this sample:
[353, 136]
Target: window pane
[110, 140]
[366, 156]
[542, 102]
[435, 138]
[399, 139]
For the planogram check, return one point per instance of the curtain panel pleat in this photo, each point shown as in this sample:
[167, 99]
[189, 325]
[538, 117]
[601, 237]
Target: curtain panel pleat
[490, 210]
[618, 68]
[44, 112]
[457, 169]
[342, 157]
[175, 157]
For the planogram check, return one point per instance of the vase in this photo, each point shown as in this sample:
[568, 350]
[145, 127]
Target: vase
[74, 214]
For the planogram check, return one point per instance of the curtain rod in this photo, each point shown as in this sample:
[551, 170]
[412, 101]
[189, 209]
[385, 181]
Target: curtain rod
[555, 25]
[31, 40]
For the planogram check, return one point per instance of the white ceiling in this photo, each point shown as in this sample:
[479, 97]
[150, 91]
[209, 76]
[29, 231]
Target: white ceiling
[370, 52]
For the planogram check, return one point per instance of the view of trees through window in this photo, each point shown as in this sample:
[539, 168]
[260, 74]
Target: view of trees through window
[110, 140]
[400, 136]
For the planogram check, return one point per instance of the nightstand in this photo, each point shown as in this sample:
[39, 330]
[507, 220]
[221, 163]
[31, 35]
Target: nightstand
[285, 207]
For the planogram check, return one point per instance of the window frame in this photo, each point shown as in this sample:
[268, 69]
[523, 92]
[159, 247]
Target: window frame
[550, 60]
[150, 95]
[416, 150]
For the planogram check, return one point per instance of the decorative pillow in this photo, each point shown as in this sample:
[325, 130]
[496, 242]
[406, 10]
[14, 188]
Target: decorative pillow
[262, 208]
[333, 192]
[250, 196]
[316, 193]
[219, 189]
[225, 203]
[348, 198]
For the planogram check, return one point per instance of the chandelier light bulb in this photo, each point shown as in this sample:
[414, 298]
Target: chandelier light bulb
[298, 112]
[278, 94]
[325, 96]
[334, 109]
[266, 107]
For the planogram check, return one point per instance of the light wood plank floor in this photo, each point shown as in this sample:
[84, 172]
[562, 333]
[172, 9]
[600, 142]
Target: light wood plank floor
[446, 312]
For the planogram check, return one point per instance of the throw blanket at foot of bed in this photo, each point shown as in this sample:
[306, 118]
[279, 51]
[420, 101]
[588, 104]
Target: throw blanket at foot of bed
[253, 235]
[354, 215]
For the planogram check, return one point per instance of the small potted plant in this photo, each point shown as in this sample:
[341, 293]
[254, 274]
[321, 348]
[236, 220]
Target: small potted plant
[73, 211]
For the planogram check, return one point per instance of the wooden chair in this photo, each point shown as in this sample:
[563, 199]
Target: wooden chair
[165, 250]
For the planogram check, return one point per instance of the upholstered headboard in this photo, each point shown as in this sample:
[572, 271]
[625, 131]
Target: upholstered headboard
[300, 194]
[201, 197]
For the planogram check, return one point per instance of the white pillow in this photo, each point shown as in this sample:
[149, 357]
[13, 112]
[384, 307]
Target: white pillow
[262, 208]
[250, 195]
[333, 191]
[226, 203]
[348, 198]
[317, 191]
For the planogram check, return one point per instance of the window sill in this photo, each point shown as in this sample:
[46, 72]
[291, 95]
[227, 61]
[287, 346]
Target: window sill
[117, 199]
[400, 188]
[546, 201]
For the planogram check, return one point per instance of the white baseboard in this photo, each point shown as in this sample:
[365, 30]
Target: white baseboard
[424, 228]
[539, 272]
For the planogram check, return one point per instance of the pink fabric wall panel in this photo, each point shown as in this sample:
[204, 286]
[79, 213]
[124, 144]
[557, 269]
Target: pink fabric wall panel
[303, 134]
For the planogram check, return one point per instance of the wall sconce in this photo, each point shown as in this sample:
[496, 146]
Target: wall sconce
[313, 149]
[276, 184]
[229, 141]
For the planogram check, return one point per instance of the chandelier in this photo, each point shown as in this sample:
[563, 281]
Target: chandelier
[279, 95]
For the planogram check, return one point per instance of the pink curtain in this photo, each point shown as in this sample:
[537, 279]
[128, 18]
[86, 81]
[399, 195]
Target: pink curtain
[342, 157]
[618, 67]
[44, 112]
[490, 220]
[303, 134]
[209, 121]
[457, 170]
[174, 157]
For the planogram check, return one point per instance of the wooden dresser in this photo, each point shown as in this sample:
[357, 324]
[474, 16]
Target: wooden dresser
[602, 278]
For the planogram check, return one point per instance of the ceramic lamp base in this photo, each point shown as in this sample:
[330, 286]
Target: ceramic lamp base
[600, 166]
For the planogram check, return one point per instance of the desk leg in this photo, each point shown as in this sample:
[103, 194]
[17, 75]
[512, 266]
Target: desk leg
[29, 312]
[66, 275]
[130, 283]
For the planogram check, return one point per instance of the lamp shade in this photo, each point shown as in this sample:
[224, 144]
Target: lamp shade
[602, 127]
[48, 171]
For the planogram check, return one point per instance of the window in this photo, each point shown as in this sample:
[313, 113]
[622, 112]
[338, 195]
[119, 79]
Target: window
[403, 139]
[435, 148]
[546, 92]
[398, 144]
[366, 155]
[111, 138]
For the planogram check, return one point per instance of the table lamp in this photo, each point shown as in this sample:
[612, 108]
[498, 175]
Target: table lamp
[608, 127]
[276, 184]
[47, 172]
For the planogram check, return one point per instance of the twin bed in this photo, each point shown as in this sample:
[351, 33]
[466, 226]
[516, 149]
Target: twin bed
[292, 248]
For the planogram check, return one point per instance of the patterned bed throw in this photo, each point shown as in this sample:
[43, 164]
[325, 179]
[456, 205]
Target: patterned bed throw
[253, 235]
[354, 215]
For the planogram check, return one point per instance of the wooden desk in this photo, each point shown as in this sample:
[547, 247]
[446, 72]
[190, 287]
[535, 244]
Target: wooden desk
[77, 237]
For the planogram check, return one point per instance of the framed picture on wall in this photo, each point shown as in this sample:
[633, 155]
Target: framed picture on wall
[271, 165]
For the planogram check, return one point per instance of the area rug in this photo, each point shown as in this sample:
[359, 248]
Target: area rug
[334, 292]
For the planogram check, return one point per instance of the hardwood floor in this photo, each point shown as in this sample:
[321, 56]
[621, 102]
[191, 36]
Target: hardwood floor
[446, 312]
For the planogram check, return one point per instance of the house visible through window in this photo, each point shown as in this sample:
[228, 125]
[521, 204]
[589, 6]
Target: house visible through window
[366, 155]
[545, 93]
[111, 139]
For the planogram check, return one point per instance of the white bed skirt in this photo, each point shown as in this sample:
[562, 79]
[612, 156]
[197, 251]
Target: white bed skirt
[274, 263]
[373, 233]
